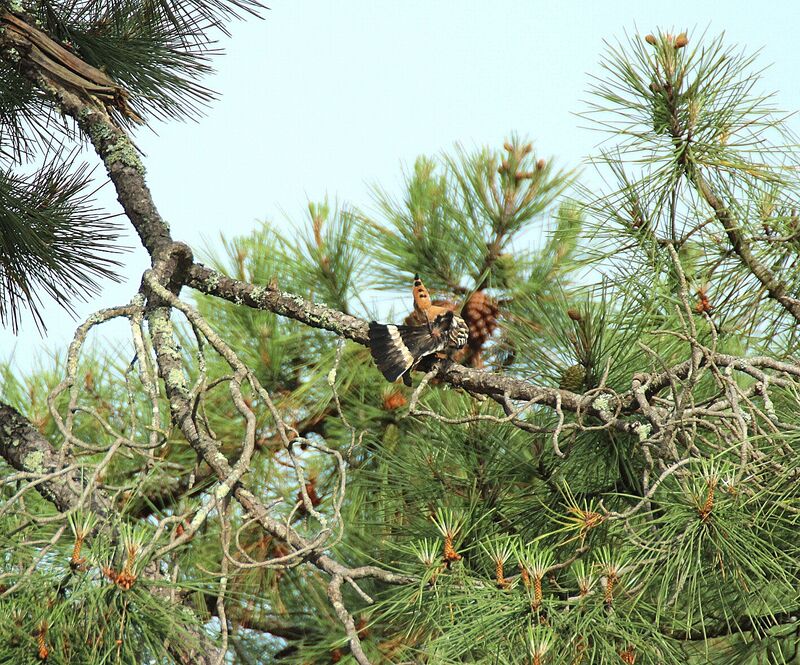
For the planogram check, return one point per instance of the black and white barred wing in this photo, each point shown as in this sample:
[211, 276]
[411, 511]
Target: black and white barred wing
[396, 349]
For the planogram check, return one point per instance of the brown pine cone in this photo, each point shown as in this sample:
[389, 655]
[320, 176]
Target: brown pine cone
[480, 312]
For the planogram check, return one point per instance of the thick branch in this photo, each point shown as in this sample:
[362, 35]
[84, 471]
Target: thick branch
[214, 283]
[25, 449]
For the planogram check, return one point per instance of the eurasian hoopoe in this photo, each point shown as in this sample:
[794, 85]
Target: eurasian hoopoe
[398, 349]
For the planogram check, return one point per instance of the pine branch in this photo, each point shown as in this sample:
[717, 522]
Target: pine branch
[52, 239]
[736, 626]
[75, 99]
[681, 129]
[776, 289]
[214, 283]
[61, 65]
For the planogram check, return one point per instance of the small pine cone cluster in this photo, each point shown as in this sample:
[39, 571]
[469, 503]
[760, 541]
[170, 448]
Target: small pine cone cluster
[393, 400]
[573, 378]
[417, 318]
[449, 553]
[480, 312]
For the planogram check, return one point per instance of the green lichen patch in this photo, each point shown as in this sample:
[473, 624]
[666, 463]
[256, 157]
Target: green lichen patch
[123, 152]
[113, 145]
[161, 327]
[99, 131]
[603, 405]
[213, 281]
[33, 461]
[176, 379]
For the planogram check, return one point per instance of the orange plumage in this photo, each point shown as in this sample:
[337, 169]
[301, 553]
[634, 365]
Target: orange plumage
[423, 307]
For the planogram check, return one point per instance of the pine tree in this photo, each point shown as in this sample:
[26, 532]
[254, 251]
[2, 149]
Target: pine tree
[605, 473]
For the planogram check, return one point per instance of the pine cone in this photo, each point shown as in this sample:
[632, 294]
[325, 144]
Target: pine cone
[480, 312]
[572, 378]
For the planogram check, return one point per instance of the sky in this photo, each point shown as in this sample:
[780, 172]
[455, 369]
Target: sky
[329, 98]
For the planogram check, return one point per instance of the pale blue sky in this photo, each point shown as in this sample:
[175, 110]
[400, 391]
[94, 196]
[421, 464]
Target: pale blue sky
[324, 97]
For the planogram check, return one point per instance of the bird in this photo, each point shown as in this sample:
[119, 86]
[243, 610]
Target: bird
[397, 349]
